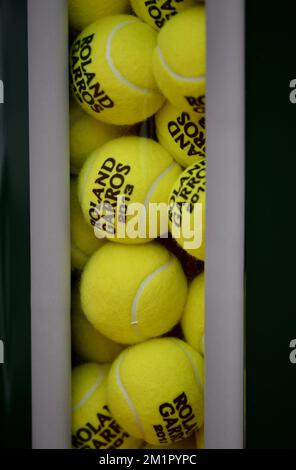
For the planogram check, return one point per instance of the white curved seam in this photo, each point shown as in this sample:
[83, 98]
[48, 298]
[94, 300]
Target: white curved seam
[196, 373]
[90, 392]
[90, 167]
[127, 398]
[149, 278]
[156, 182]
[176, 75]
[111, 63]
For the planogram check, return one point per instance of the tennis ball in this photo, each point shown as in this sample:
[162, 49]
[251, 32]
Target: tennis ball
[193, 320]
[157, 12]
[84, 12]
[75, 111]
[131, 294]
[91, 345]
[111, 70]
[188, 443]
[181, 133]
[139, 170]
[86, 135]
[187, 209]
[87, 342]
[93, 427]
[155, 390]
[180, 60]
[200, 438]
[83, 239]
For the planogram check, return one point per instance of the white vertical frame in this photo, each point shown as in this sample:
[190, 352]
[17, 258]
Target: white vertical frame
[50, 238]
[225, 225]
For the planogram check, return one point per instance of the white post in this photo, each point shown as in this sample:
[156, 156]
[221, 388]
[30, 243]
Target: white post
[225, 225]
[50, 238]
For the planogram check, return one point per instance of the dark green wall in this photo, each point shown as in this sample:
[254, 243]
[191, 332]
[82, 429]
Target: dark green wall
[15, 374]
[270, 226]
[270, 233]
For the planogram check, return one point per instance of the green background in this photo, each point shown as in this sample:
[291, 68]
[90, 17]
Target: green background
[15, 328]
[270, 227]
[270, 233]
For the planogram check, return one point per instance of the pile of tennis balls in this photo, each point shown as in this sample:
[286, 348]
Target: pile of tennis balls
[137, 132]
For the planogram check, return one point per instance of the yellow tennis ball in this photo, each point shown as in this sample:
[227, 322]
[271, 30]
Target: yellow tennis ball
[93, 427]
[155, 391]
[200, 438]
[138, 170]
[83, 239]
[90, 344]
[180, 59]
[134, 293]
[187, 210]
[87, 342]
[188, 443]
[193, 319]
[181, 133]
[111, 70]
[157, 12]
[75, 111]
[84, 12]
[86, 135]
